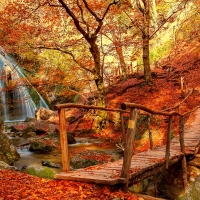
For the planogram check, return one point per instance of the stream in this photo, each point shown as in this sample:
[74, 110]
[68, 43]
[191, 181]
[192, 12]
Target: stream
[29, 158]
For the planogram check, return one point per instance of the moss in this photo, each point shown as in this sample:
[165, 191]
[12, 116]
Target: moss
[42, 172]
[160, 51]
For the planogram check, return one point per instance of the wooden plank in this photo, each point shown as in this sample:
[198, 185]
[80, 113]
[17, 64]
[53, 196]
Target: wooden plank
[110, 181]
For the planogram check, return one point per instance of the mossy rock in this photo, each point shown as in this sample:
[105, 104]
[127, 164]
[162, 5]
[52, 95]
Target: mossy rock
[193, 192]
[40, 146]
[139, 187]
[8, 152]
[42, 172]
[78, 163]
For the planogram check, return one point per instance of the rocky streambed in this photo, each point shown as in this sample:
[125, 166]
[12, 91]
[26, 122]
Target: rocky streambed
[35, 143]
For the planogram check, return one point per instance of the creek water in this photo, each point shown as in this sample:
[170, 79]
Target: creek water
[29, 158]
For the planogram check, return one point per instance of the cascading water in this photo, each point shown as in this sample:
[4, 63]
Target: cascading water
[16, 90]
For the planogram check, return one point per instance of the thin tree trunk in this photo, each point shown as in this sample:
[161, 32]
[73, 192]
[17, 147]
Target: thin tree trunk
[122, 62]
[97, 71]
[145, 37]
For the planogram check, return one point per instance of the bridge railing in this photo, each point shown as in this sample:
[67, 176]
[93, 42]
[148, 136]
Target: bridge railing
[62, 127]
[130, 135]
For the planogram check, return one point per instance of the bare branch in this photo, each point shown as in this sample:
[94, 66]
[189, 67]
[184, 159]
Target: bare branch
[139, 6]
[173, 13]
[65, 52]
[82, 16]
[76, 21]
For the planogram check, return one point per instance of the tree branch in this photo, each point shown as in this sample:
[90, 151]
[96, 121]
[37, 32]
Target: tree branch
[174, 12]
[65, 52]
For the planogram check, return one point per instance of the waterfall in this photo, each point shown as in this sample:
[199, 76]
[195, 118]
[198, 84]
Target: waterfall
[19, 99]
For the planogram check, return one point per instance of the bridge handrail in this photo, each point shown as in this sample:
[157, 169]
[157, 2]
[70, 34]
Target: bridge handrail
[124, 106]
[129, 138]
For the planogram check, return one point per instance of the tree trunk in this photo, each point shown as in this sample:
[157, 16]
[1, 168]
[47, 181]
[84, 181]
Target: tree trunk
[97, 72]
[145, 37]
[101, 120]
[122, 61]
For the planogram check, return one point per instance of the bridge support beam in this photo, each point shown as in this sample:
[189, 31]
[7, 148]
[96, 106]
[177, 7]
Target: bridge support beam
[167, 155]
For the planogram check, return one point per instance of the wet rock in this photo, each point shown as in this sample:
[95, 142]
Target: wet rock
[70, 138]
[50, 164]
[40, 146]
[8, 153]
[29, 119]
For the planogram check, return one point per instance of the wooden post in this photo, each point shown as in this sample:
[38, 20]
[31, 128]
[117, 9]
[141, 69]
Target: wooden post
[150, 132]
[155, 181]
[63, 140]
[123, 128]
[167, 154]
[128, 151]
[182, 144]
[182, 83]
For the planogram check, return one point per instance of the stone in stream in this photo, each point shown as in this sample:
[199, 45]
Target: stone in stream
[50, 164]
[8, 153]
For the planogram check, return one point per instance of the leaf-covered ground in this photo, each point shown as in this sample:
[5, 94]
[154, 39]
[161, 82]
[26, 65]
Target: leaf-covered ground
[18, 186]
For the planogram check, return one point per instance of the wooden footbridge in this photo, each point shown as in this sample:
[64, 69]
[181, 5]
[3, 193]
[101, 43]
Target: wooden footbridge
[134, 167]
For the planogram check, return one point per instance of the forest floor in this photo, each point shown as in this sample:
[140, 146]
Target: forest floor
[165, 92]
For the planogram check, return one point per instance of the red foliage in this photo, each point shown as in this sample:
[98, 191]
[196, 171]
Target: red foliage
[17, 186]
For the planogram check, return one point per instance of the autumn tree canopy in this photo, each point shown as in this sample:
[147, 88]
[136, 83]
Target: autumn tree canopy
[79, 38]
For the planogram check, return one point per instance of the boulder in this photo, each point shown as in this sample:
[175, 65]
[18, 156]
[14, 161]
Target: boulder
[139, 187]
[40, 146]
[8, 153]
[48, 144]
[193, 191]
[42, 172]
[37, 126]
[4, 165]
[70, 138]
[44, 114]
[171, 184]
